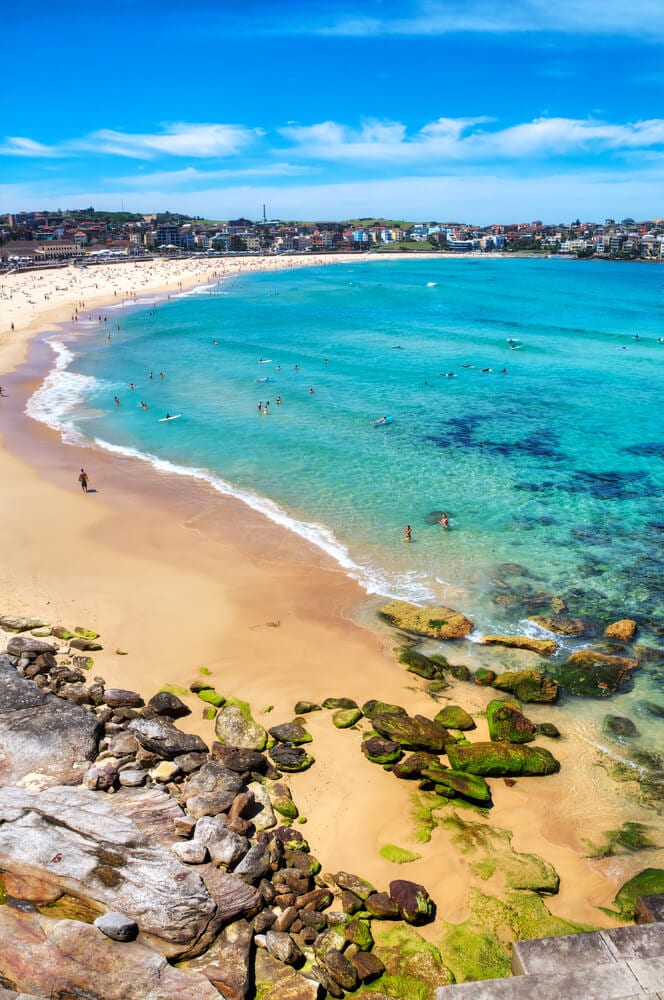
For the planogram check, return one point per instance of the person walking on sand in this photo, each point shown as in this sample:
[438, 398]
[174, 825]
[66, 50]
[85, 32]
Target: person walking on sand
[83, 480]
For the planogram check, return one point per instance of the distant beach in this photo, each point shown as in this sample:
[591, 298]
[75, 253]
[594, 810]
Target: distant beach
[180, 577]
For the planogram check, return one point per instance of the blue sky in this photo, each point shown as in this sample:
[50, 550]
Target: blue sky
[476, 110]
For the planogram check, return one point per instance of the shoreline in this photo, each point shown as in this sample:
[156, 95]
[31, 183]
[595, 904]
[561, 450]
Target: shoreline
[182, 577]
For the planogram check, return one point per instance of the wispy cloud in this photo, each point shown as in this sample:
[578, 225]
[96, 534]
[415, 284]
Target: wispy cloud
[636, 18]
[454, 139]
[15, 145]
[190, 178]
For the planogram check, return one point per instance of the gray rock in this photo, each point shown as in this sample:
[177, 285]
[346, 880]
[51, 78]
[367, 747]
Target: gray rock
[165, 703]
[123, 744]
[231, 727]
[117, 926]
[211, 789]
[40, 732]
[238, 758]
[132, 778]
[24, 645]
[69, 840]
[225, 847]
[119, 698]
[160, 736]
[255, 864]
[262, 814]
[282, 947]
[227, 964]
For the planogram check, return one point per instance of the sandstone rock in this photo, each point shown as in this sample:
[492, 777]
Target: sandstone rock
[339, 969]
[235, 727]
[545, 647]
[282, 947]
[233, 897]
[561, 624]
[100, 778]
[358, 933]
[86, 645]
[211, 789]
[68, 840]
[158, 735]
[507, 722]
[416, 763]
[527, 685]
[10, 623]
[432, 622]
[255, 864]
[275, 981]
[190, 762]
[501, 759]
[413, 901]
[262, 814]
[132, 778]
[164, 772]
[418, 733]
[227, 964]
[40, 732]
[380, 905]
[152, 810]
[120, 698]
[327, 982]
[117, 926]
[165, 703]
[623, 630]
[72, 958]
[484, 677]
[359, 886]
[367, 966]
[238, 759]
[22, 645]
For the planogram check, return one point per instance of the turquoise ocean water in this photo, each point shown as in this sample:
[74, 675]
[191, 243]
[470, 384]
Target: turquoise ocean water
[555, 465]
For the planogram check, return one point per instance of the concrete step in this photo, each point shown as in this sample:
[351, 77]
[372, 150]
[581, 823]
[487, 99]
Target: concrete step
[546, 955]
[638, 979]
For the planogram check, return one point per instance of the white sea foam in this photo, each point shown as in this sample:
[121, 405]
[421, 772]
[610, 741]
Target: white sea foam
[59, 395]
[410, 586]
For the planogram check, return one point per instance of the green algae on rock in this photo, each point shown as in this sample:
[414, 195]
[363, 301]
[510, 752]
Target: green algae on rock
[629, 838]
[431, 622]
[591, 674]
[484, 677]
[544, 647]
[502, 760]
[372, 708]
[419, 664]
[450, 783]
[211, 697]
[561, 624]
[381, 751]
[507, 722]
[418, 733]
[648, 882]
[414, 968]
[340, 703]
[398, 855]
[235, 726]
[344, 718]
[454, 717]
[527, 685]
[305, 707]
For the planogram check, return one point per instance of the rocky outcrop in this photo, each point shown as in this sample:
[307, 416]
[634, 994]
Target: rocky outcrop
[544, 647]
[508, 723]
[431, 622]
[40, 733]
[454, 717]
[527, 685]
[561, 624]
[623, 630]
[418, 733]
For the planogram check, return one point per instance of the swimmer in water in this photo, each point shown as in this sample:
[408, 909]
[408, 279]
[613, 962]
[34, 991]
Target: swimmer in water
[444, 520]
[407, 533]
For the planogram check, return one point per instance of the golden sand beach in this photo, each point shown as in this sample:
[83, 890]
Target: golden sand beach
[179, 578]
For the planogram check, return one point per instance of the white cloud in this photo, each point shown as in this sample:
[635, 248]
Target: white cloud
[637, 18]
[455, 139]
[191, 178]
[15, 145]
[177, 139]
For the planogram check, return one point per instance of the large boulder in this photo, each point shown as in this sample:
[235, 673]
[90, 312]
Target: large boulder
[591, 674]
[70, 958]
[432, 622]
[72, 842]
[418, 733]
[545, 647]
[527, 685]
[40, 733]
[158, 735]
[413, 901]
[507, 722]
[235, 726]
[497, 760]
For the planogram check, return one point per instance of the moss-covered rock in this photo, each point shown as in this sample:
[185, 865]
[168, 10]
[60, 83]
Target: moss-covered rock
[415, 764]
[418, 733]
[629, 838]
[548, 729]
[623, 630]
[291, 733]
[285, 807]
[591, 674]
[484, 677]
[527, 685]
[507, 722]
[648, 882]
[305, 707]
[358, 932]
[211, 697]
[418, 663]
[619, 725]
[451, 783]
[432, 622]
[333, 703]
[454, 717]
[381, 751]
[86, 633]
[498, 760]
[344, 718]
[197, 686]
[235, 726]
[414, 968]
[354, 883]
[372, 708]
[414, 903]
[544, 647]
[459, 671]
[60, 632]
[209, 713]
[561, 624]
[290, 759]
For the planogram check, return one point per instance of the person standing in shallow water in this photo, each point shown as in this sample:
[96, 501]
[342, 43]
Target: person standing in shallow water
[83, 480]
[407, 533]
